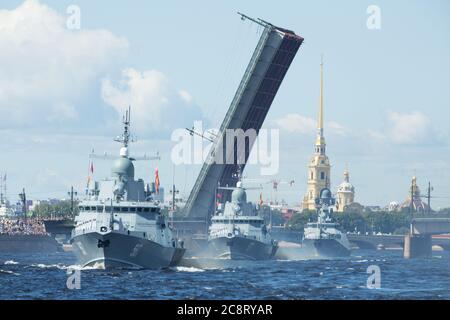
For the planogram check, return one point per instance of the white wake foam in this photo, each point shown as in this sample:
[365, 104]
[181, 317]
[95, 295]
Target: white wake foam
[188, 269]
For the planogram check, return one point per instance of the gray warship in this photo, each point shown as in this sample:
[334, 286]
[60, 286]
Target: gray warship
[323, 238]
[238, 233]
[119, 224]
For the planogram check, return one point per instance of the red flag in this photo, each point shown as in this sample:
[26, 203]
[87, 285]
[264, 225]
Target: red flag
[157, 181]
[91, 169]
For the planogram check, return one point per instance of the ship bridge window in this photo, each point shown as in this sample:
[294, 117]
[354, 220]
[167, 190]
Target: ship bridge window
[153, 209]
[81, 208]
[116, 209]
[92, 208]
[146, 209]
[99, 208]
[133, 209]
[139, 209]
[108, 209]
[124, 209]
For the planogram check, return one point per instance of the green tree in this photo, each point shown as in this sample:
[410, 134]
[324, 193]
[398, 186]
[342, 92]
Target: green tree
[351, 221]
[384, 222]
[300, 219]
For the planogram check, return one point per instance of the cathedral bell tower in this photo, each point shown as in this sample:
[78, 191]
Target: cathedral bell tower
[319, 165]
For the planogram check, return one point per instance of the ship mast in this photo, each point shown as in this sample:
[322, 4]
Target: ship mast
[125, 138]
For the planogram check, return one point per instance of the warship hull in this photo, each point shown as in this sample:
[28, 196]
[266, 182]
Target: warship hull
[325, 248]
[240, 248]
[116, 250]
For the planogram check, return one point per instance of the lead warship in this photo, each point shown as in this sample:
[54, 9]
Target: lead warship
[238, 233]
[323, 238]
[120, 225]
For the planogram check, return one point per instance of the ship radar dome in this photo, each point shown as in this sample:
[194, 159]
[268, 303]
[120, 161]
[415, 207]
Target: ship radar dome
[123, 167]
[325, 193]
[239, 195]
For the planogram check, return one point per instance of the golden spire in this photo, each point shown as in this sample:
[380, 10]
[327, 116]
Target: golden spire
[320, 119]
[320, 141]
[346, 173]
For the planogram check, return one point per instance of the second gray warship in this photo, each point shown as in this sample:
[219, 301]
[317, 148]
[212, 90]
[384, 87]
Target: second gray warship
[119, 225]
[323, 238]
[238, 233]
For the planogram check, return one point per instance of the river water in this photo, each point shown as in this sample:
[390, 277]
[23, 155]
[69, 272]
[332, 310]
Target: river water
[45, 276]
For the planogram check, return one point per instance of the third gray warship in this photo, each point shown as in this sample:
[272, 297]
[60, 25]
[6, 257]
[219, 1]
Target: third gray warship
[323, 238]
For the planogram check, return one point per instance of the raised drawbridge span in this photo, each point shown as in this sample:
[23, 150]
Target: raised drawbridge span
[268, 65]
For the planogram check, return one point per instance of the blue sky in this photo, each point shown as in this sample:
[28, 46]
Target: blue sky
[386, 91]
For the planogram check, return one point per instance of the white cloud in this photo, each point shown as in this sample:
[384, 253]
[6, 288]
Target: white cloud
[186, 96]
[336, 128]
[410, 128]
[375, 135]
[47, 69]
[296, 123]
[155, 106]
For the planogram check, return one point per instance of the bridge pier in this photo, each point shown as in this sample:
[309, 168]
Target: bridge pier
[417, 246]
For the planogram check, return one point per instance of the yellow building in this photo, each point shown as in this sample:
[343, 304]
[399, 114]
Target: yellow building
[319, 166]
[345, 193]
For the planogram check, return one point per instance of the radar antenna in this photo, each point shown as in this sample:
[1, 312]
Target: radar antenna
[126, 138]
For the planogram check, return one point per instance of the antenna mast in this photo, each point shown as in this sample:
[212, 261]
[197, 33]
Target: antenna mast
[126, 137]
